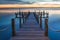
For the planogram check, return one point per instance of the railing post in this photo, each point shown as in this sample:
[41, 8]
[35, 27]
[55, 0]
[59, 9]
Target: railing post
[46, 26]
[20, 19]
[41, 20]
[28, 14]
[36, 16]
[13, 27]
[20, 22]
[16, 15]
[23, 17]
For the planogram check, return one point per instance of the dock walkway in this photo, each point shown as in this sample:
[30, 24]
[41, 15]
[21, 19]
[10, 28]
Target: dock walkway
[30, 30]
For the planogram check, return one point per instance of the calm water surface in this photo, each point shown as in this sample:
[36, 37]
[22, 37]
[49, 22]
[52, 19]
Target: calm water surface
[5, 21]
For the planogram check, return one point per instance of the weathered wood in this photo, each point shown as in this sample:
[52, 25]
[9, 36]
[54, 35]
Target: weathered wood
[47, 14]
[20, 22]
[13, 27]
[22, 18]
[43, 13]
[30, 32]
[46, 26]
[41, 20]
[36, 17]
[28, 14]
[15, 15]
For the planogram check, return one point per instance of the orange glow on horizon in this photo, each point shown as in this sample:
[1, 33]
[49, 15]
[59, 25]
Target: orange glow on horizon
[27, 5]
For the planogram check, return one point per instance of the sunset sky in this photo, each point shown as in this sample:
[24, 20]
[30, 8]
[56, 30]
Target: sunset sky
[28, 3]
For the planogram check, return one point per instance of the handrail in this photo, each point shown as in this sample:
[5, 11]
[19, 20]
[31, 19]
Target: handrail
[54, 29]
[36, 17]
[4, 29]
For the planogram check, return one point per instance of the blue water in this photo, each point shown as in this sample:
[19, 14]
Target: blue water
[54, 22]
[5, 21]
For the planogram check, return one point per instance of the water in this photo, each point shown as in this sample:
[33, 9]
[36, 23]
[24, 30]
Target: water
[54, 22]
[5, 21]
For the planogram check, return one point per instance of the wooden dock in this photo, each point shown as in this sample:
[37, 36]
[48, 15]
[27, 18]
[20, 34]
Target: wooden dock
[30, 30]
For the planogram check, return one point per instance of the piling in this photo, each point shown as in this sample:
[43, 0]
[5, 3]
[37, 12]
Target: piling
[41, 20]
[13, 27]
[46, 26]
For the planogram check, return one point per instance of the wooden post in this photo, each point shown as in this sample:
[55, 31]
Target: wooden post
[28, 14]
[43, 12]
[20, 22]
[16, 15]
[47, 15]
[23, 17]
[36, 16]
[13, 27]
[46, 26]
[41, 20]
[19, 19]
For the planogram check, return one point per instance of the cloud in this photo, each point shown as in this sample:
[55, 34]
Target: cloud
[23, 1]
[14, 1]
[10, 0]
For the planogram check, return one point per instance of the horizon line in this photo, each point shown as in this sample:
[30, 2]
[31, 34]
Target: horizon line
[28, 5]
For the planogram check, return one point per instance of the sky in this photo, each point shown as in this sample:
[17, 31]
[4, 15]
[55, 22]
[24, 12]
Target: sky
[23, 1]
